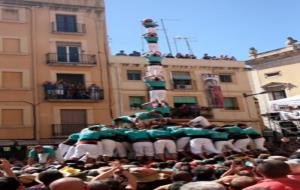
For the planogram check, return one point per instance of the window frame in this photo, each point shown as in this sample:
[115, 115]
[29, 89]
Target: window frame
[237, 107]
[143, 98]
[274, 96]
[185, 83]
[225, 81]
[134, 78]
[65, 24]
[10, 9]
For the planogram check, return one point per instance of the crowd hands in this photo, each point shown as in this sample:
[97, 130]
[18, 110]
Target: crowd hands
[198, 163]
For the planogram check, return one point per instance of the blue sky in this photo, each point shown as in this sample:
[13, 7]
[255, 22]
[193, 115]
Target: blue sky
[216, 26]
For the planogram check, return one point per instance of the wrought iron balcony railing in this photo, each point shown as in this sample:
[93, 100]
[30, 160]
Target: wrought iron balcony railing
[71, 59]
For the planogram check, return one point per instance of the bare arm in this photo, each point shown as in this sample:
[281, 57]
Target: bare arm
[5, 166]
[132, 184]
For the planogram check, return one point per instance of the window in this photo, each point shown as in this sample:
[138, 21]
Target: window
[71, 78]
[68, 52]
[182, 80]
[66, 23]
[231, 103]
[225, 78]
[184, 100]
[12, 80]
[12, 118]
[133, 75]
[135, 102]
[11, 45]
[272, 74]
[276, 95]
[10, 14]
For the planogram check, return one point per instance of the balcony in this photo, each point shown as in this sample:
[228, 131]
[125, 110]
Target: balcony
[190, 112]
[69, 92]
[63, 130]
[72, 60]
[68, 29]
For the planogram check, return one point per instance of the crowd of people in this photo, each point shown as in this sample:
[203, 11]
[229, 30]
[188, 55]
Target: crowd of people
[221, 57]
[147, 151]
[67, 90]
[169, 55]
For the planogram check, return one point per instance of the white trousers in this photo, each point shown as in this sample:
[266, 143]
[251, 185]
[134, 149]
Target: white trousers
[159, 95]
[200, 144]
[63, 149]
[155, 70]
[223, 146]
[70, 153]
[90, 150]
[124, 149]
[182, 143]
[259, 143]
[143, 149]
[109, 147]
[242, 144]
[153, 47]
[161, 145]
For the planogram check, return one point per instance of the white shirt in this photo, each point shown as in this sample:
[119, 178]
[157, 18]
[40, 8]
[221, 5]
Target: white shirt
[200, 120]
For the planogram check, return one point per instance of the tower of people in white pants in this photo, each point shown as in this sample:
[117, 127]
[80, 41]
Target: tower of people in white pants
[154, 78]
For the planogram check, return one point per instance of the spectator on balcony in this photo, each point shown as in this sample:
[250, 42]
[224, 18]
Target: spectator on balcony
[135, 53]
[59, 91]
[49, 90]
[41, 154]
[121, 53]
[70, 90]
[94, 92]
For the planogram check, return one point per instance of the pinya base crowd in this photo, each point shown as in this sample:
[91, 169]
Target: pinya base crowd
[147, 151]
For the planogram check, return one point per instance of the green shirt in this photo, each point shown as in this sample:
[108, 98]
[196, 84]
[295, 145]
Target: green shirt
[196, 131]
[155, 133]
[250, 131]
[89, 135]
[138, 134]
[219, 135]
[162, 109]
[155, 83]
[74, 136]
[123, 119]
[233, 129]
[46, 149]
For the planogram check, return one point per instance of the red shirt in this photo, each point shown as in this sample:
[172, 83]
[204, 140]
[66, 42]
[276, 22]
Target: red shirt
[277, 184]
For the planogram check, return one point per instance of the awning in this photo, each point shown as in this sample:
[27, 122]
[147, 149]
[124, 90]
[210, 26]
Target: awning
[185, 99]
[277, 86]
[181, 75]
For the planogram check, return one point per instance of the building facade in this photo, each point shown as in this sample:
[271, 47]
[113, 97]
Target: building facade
[274, 74]
[187, 93]
[53, 71]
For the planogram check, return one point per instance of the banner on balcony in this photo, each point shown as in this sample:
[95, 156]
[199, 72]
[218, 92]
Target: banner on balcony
[213, 90]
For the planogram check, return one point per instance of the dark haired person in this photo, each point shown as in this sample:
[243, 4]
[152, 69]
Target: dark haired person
[10, 183]
[275, 177]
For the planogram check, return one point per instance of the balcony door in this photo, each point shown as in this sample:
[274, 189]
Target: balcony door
[69, 53]
[72, 120]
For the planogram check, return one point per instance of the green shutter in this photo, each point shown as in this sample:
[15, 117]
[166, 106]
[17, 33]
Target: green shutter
[181, 76]
[185, 99]
[136, 101]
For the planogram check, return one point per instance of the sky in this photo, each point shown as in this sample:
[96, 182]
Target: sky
[216, 27]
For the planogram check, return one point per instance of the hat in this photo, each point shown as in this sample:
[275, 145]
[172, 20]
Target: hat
[69, 170]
